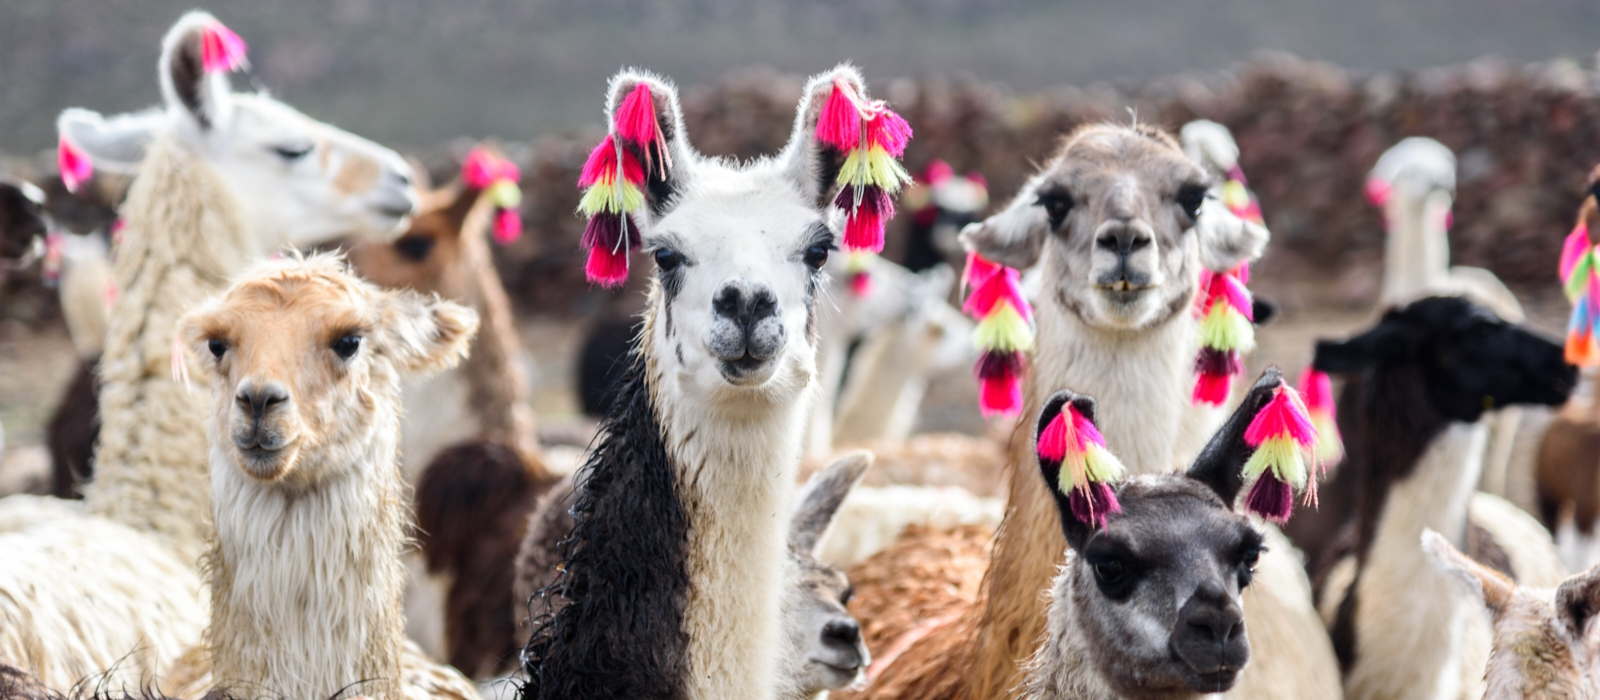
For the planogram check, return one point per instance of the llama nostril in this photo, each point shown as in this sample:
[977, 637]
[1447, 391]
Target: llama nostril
[842, 632]
[764, 304]
[260, 399]
[1106, 242]
[727, 302]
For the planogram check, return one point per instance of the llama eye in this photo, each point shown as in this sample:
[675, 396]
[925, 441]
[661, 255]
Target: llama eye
[816, 256]
[1057, 205]
[346, 346]
[217, 347]
[1109, 572]
[848, 595]
[1190, 197]
[414, 248]
[293, 152]
[668, 259]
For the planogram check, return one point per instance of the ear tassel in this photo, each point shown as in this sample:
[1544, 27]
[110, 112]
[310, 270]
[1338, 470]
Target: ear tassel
[497, 177]
[1317, 390]
[872, 137]
[856, 266]
[221, 50]
[1283, 436]
[613, 178]
[75, 165]
[1225, 310]
[1086, 467]
[1580, 276]
[1004, 332]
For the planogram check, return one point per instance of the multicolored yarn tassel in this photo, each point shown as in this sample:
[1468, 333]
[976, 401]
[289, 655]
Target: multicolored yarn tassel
[497, 178]
[1087, 468]
[1283, 437]
[1004, 333]
[858, 268]
[221, 50]
[1580, 277]
[1317, 390]
[873, 138]
[75, 165]
[1225, 308]
[613, 179]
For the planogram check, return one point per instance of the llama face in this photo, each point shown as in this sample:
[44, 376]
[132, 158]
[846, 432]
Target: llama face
[21, 217]
[1121, 221]
[428, 256]
[308, 360]
[1471, 361]
[828, 638]
[299, 181]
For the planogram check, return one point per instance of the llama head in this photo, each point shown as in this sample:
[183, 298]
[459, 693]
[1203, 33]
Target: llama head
[1122, 221]
[1155, 587]
[1546, 641]
[21, 218]
[299, 181]
[428, 256]
[825, 649]
[307, 363]
[738, 247]
[1469, 359]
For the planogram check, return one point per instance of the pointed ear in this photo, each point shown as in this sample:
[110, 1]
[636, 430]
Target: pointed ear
[1578, 599]
[1495, 589]
[116, 144]
[820, 500]
[1225, 238]
[1220, 465]
[811, 165]
[424, 335]
[204, 98]
[1385, 341]
[1076, 531]
[1014, 236]
[669, 159]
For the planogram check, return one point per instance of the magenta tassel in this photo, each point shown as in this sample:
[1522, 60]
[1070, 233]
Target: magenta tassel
[76, 167]
[602, 162]
[861, 283]
[995, 364]
[220, 49]
[863, 229]
[839, 124]
[636, 116]
[1211, 389]
[1218, 362]
[1271, 498]
[1052, 443]
[1091, 506]
[507, 226]
[607, 268]
[889, 131]
[1000, 396]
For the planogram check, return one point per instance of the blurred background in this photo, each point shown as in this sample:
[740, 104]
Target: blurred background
[1314, 91]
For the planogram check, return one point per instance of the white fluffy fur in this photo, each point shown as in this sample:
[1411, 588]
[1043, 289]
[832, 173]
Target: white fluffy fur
[86, 289]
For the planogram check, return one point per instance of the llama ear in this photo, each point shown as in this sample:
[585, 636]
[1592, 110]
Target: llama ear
[1220, 465]
[820, 500]
[1227, 239]
[1083, 494]
[844, 153]
[1014, 236]
[116, 144]
[424, 335]
[1494, 588]
[196, 56]
[1578, 599]
[21, 216]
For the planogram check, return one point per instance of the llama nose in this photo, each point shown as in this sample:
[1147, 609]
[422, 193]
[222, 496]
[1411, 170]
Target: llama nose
[842, 633]
[260, 398]
[745, 304]
[1211, 616]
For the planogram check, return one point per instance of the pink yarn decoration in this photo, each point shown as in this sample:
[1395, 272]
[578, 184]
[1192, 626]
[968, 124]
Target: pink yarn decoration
[1281, 415]
[889, 131]
[221, 50]
[507, 226]
[636, 116]
[839, 124]
[76, 167]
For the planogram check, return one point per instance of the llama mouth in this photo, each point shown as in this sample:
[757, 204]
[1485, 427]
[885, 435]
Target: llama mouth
[739, 371]
[1217, 681]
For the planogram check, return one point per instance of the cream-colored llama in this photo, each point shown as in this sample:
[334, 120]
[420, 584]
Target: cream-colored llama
[310, 508]
[224, 178]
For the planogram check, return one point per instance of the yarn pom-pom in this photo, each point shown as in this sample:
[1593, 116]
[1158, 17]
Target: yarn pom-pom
[1002, 285]
[1225, 327]
[601, 167]
[636, 116]
[1091, 505]
[76, 167]
[889, 131]
[608, 252]
[1003, 329]
[1317, 390]
[507, 226]
[1271, 498]
[221, 50]
[1000, 397]
[1003, 332]
[1283, 416]
[1377, 191]
[1211, 389]
[839, 124]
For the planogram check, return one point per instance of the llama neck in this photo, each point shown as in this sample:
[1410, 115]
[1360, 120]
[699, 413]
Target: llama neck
[1416, 256]
[1063, 667]
[496, 385]
[306, 580]
[1414, 629]
[1141, 382]
[735, 468]
[184, 238]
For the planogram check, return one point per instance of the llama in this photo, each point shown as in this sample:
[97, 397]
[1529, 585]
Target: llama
[1418, 383]
[676, 504]
[308, 502]
[22, 221]
[1545, 644]
[1126, 622]
[1568, 467]
[468, 441]
[1121, 225]
[224, 178]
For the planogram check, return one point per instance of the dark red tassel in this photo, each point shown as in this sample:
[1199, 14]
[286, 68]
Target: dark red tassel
[994, 364]
[608, 261]
[1218, 362]
[864, 223]
[1271, 498]
[1091, 506]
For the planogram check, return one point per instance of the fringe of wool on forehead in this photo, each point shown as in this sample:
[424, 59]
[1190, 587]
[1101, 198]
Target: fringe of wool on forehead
[1003, 335]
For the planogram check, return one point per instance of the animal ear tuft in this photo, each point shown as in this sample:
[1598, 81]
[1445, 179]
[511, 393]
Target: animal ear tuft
[424, 335]
[1014, 236]
[1221, 465]
[1494, 588]
[1077, 468]
[1385, 341]
[820, 500]
[196, 56]
[1578, 599]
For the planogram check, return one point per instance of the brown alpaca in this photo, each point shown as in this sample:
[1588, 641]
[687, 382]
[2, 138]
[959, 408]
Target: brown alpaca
[1546, 643]
[309, 509]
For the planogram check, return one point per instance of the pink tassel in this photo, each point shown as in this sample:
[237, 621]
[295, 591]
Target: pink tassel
[839, 124]
[1281, 415]
[220, 49]
[1000, 397]
[602, 163]
[1211, 389]
[863, 229]
[1316, 389]
[607, 268]
[890, 132]
[480, 169]
[1572, 249]
[1229, 288]
[1091, 506]
[636, 116]
[76, 167]
[507, 226]
[1053, 441]
[978, 270]
[1004, 286]
[1087, 432]
[1377, 191]
[936, 173]
[861, 283]
[1271, 498]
